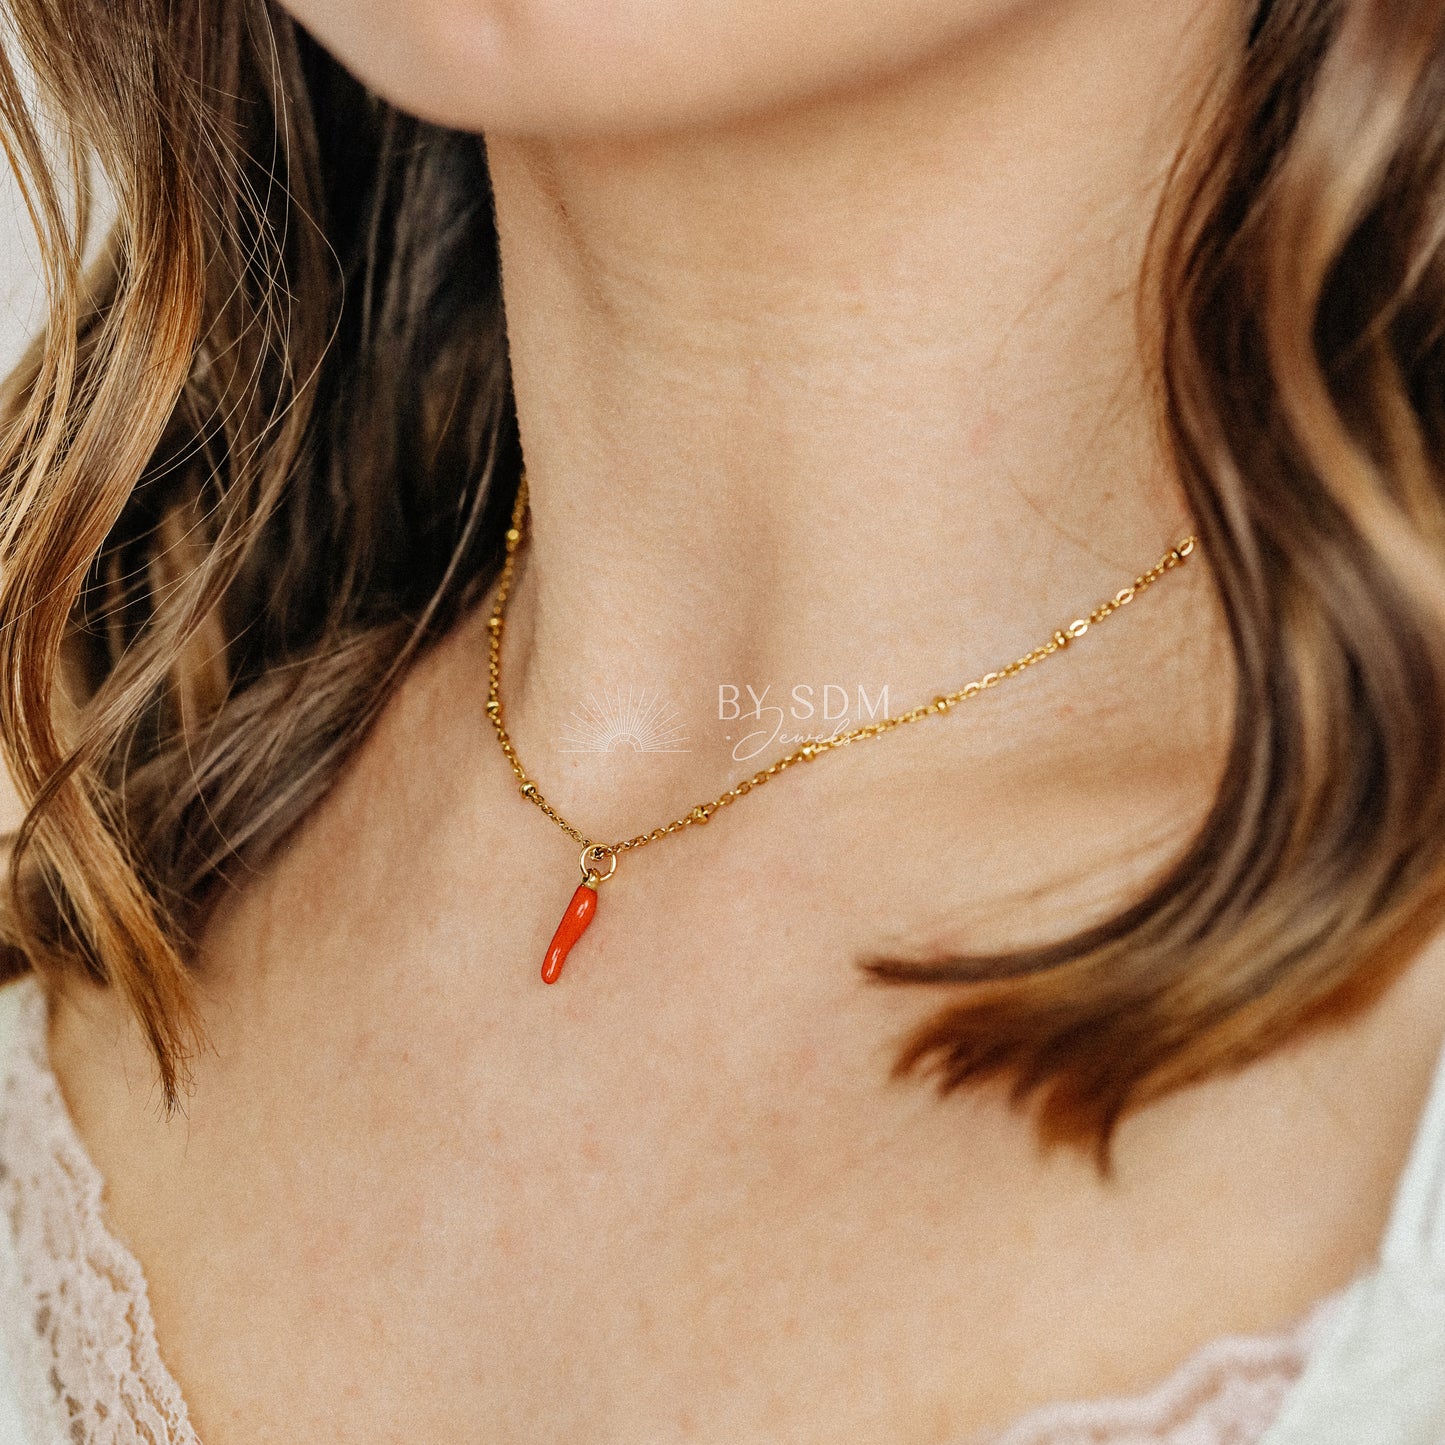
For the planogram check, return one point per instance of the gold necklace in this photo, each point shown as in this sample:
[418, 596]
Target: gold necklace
[597, 856]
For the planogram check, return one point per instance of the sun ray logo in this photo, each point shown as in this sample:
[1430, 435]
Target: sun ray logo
[638, 722]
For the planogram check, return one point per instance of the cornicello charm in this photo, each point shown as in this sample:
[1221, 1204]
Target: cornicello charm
[580, 911]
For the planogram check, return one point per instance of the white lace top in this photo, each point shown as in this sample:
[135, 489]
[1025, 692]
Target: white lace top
[86, 1368]
[82, 1321]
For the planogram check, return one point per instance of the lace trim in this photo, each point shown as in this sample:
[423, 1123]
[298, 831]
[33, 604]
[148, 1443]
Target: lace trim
[85, 1323]
[83, 1297]
[1228, 1393]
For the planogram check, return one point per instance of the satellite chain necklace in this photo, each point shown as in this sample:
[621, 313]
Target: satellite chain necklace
[599, 860]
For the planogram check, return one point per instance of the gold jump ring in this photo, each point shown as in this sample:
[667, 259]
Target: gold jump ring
[592, 855]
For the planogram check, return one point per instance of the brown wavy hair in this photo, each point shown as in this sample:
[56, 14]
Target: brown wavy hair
[265, 450]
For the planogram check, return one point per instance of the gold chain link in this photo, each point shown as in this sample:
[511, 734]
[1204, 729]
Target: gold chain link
[1062, 638]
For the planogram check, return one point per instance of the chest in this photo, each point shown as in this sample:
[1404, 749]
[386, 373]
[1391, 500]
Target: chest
[677, 1197]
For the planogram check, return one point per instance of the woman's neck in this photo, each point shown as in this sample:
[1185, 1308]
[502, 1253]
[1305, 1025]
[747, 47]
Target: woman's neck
[848, 394]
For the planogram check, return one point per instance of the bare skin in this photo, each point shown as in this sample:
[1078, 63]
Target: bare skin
[804, 380]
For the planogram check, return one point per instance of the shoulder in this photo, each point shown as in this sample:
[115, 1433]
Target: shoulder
[22, 1016]
[15, 996]
[1378, 1373]
[21, 1005]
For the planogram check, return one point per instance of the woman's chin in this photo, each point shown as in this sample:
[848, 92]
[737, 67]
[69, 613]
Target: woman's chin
[624, 67]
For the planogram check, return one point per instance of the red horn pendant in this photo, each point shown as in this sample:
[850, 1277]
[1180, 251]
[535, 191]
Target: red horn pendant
[580, 912]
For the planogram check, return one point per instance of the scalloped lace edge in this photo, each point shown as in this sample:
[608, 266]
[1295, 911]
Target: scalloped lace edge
[1229, 1392]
